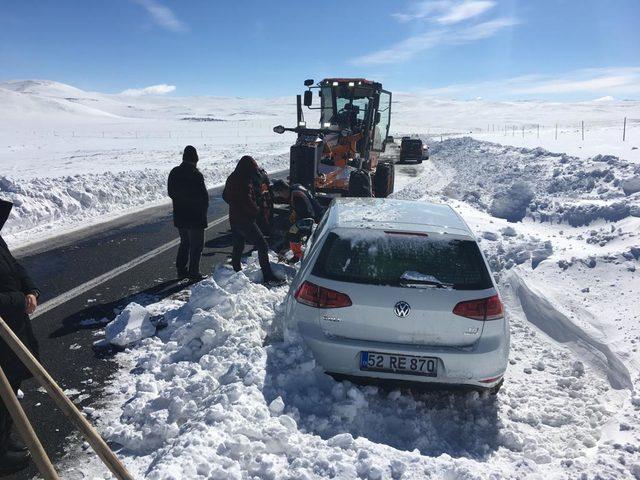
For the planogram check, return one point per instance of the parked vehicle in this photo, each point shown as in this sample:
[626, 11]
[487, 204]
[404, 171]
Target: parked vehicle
[400, 290]
[414, 150]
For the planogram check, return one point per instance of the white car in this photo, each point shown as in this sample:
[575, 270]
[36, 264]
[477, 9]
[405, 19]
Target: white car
[400, 290]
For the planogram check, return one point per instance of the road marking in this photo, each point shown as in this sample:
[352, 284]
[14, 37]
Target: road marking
[94, 282]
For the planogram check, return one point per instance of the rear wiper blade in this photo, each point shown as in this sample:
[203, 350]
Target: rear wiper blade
[415, 279]
[425, 283]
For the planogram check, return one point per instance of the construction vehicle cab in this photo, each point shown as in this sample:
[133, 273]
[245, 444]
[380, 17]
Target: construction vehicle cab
[341, 154]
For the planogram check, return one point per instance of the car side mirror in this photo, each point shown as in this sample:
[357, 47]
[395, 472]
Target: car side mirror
[308, 98]
[278, 129]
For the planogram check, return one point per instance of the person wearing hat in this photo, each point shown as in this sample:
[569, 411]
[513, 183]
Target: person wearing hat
[18, 300]
[190, 198]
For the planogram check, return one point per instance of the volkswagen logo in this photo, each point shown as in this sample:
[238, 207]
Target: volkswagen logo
[402, 309]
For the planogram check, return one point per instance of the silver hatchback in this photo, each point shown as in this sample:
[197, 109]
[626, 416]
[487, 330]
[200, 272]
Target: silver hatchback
[399, 290]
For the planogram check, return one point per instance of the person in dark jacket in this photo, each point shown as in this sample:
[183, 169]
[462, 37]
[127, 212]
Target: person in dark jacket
[239, 193]
[302, 202]
[303, 205]
[18, 300]
[190, 204]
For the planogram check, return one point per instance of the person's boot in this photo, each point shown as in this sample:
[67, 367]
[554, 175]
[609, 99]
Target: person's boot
[196, 277]
[182, 274]
[11, 462]
[15, 443]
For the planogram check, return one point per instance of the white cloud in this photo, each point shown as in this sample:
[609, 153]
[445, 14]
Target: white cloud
[464, 11]
[445, 12]
[161, 89]
[412, 46]
[597, 81]
[162, 15]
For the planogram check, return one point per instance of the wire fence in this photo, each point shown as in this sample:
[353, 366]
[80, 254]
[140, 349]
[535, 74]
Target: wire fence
[626, 130]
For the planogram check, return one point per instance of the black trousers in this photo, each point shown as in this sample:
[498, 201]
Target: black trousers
[249, 231]
[190, 250]
[6, 422]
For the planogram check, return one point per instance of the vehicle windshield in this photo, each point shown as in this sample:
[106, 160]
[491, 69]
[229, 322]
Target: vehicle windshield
[344, 106]
[400, 259]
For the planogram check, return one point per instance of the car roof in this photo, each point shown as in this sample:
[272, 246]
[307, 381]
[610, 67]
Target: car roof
[398, 215]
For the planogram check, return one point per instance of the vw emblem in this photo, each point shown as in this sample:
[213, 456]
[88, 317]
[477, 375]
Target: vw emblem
[402, 309]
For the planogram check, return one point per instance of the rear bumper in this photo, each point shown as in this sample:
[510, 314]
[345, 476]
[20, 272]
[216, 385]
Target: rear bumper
[487, 359]
[412, 158]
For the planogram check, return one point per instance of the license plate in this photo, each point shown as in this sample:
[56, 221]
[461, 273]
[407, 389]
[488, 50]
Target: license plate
[406, 364]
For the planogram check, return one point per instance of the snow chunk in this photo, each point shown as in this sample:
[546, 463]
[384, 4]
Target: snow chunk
[131, 325]
[631, 185]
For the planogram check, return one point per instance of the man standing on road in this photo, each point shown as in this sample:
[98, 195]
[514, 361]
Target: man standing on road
[190, 204]
[18, 300]
[239, 193]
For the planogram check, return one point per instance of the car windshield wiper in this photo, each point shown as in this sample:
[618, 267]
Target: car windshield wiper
[417, 279]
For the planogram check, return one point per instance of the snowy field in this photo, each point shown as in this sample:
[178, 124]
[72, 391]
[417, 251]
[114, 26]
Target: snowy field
[70, 158]
[218, 391]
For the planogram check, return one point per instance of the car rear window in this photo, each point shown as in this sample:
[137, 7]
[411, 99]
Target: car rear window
[412, 145]
[381, 258]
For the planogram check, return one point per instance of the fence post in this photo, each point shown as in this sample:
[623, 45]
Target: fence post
[624, 130]
[538, 130]
[583, 130]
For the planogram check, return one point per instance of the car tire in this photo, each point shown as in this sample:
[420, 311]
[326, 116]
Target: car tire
[360, 184]
[496, 388]
[384, 179]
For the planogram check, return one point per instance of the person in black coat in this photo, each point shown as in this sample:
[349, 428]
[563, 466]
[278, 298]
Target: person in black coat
[18, 299]
[190, 204]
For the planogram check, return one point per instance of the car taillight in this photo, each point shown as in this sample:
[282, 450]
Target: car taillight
[319, 297]
[481, 309]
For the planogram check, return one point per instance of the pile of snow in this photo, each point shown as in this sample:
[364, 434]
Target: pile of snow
[217, 395]
[222, 393]
[51, 204]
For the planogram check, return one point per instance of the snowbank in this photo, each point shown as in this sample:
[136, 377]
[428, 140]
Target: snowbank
[216, 395]
[47, 205]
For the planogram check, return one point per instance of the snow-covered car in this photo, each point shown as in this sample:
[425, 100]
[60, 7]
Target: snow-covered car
[400, 290]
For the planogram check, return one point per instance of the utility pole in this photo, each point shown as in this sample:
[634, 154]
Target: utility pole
[556, 131]
[583, 130]
[624, 130]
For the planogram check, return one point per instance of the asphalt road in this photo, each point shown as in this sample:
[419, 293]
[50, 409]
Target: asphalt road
[66, 344]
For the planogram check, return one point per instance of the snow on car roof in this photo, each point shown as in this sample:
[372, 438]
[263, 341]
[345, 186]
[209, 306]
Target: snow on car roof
[385, 213]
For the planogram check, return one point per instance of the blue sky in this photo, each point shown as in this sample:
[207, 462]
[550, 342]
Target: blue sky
[502, 49]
